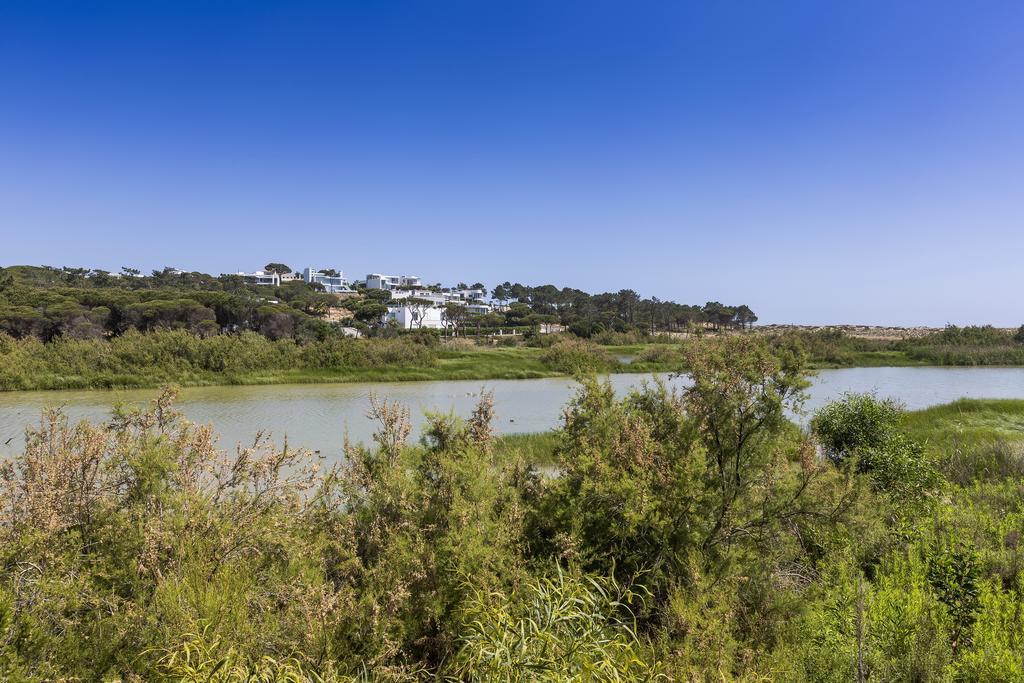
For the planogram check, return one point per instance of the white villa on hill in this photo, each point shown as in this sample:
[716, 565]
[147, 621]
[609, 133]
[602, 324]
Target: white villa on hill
[331, 283]
[431, 314]
[378, 281]
[335, 284]
[262, 277]
[428, 311]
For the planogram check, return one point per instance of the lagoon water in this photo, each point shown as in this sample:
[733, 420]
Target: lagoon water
[319, 416]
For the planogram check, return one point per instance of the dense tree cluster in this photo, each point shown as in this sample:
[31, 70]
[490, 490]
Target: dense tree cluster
[48, 303]
[587, 314]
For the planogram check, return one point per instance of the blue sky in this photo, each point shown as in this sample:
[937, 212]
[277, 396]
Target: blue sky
[822, 162]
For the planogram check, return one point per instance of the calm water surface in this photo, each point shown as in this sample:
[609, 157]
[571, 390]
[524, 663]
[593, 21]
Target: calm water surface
[318, 416]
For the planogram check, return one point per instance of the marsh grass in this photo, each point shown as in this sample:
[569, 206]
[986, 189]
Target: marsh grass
[973, 439]
[535, 449]
[137, 360]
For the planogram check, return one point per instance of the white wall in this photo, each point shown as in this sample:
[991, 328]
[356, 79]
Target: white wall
[416, 317]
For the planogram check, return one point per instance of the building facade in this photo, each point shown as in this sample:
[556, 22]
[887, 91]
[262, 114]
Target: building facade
[335, 284]
[379, 281]
[262, 277]
[415, 317]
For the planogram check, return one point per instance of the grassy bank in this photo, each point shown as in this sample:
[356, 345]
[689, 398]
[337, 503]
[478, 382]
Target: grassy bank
[969, 422]
[137, 360]
[148, 360]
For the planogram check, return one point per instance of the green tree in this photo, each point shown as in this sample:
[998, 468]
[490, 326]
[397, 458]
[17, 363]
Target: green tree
[745, 316]
[278, 268]
[419, 308]
[370, 312]
[502, 292]
[454, 317]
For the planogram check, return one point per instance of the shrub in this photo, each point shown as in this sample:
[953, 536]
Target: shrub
[575, 356]
[862, 430]
[981, 345]
[662, 355]
[854, 423]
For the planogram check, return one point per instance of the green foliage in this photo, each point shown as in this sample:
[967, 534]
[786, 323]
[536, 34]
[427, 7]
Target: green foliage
[556, 629]
[136, 359]
[679, 493]
[576, 356]
[981, 345]
[863, 430]
[954, 575]
[997, 652]
[202, 659]
[972, 440]
[854, 423]
[689, 535]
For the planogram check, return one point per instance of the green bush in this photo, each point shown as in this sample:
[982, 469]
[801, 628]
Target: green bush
[576, 356]
[862, 430]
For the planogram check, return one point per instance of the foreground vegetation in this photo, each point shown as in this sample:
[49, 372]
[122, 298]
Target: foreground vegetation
[686, 536]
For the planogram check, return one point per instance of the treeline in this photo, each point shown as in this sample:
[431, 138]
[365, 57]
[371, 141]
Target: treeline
[696, 535]
[623, 311]
[47, 303]
[78, 303]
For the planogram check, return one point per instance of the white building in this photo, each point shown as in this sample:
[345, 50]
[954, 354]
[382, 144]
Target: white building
[430, 313]
[475, 295]
[436, 298]
[416, 317]
[262, 277]
[335, 284]
[378, 281]
[473, 299]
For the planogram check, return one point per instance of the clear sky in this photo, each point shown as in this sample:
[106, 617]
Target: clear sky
[822, 162]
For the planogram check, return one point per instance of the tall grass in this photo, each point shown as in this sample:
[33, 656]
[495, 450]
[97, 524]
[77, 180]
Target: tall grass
[973, 440]
[983, 345]
[136, 359]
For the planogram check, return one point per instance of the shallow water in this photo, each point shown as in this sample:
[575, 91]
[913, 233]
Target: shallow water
[318, 416]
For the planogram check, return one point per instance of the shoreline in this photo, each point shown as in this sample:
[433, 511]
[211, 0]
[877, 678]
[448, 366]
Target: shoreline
[528, 369]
